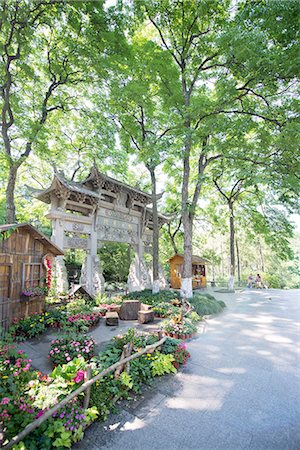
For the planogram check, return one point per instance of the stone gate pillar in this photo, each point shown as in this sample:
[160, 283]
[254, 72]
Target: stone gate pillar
[91, 273]
[60, 275]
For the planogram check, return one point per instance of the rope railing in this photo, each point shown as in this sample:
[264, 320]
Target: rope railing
[85, 386]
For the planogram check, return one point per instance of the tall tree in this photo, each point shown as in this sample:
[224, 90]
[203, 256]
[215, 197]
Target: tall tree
[39, 56]
[142, 119]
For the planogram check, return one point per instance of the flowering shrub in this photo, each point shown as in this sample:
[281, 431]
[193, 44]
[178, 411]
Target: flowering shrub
[28, 327]
[66, 348]
[181, 354]
[15, 373]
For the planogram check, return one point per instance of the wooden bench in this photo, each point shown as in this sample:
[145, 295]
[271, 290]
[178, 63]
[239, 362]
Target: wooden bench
[112, 318]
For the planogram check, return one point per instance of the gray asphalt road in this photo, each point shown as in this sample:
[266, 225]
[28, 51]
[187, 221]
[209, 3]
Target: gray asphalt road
[240, 390]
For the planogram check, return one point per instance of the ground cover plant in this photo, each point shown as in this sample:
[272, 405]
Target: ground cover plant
[205, 304]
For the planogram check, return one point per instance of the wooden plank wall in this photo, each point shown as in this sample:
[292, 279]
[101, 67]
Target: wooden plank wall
[19, 249]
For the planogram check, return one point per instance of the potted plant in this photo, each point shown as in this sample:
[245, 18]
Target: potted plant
[32, 294]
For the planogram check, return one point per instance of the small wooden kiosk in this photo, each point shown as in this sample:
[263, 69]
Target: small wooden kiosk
[25, 263]
[198, 271]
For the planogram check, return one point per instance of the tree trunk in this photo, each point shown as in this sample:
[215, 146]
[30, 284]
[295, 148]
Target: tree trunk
[261, 257]
[186, 281]
[238, 261]
[232, 255]
[155, 243]
[10, 192]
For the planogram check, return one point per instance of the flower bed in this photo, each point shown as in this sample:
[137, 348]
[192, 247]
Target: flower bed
[89, 319]
[26, 394]
[67, 348]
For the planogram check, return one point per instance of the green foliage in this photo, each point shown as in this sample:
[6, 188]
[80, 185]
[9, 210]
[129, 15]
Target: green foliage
[115, 261]
[78, 305]
[28, 327]
[165, 309]
[162, 364]
[194, 317]
[205, 305]
[170, 345]
[147, 297]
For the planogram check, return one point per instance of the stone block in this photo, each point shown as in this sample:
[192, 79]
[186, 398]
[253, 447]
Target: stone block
[145, 307]
[146, 316]
[112, 318]
[129, 310]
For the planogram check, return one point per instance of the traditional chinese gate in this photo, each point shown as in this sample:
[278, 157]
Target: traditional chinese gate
[99, 209]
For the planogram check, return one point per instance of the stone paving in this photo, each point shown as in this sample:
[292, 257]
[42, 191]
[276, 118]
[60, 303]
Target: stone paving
[240, 390]
[38, 349]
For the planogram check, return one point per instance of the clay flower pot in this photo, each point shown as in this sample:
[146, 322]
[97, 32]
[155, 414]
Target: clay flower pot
[175, 364]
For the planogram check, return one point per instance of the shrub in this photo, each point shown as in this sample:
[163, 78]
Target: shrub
[147, 297]
[205, 305]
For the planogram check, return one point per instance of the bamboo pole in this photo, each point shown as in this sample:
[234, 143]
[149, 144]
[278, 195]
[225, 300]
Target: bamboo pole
[32, 426]
[87, 393]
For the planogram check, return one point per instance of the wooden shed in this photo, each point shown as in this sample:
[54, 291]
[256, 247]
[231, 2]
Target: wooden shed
[26, 257]
[198, 271]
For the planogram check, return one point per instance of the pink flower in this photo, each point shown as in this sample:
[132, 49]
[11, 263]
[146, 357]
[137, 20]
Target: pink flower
[79, 376]
[40, 413]
[5, 400]
[68, 358]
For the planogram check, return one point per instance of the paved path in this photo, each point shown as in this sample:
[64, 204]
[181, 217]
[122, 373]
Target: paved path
[240, 390]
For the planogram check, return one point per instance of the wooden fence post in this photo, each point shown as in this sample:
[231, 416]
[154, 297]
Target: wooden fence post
[87, 393]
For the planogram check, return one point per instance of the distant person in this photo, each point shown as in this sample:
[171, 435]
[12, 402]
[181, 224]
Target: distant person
[250, 281]
[258, 282]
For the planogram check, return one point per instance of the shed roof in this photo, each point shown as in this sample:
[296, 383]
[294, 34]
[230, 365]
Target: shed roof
[35, 233]
[195, 259]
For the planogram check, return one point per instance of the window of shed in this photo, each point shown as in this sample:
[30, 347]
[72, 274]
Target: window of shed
[32, 275]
